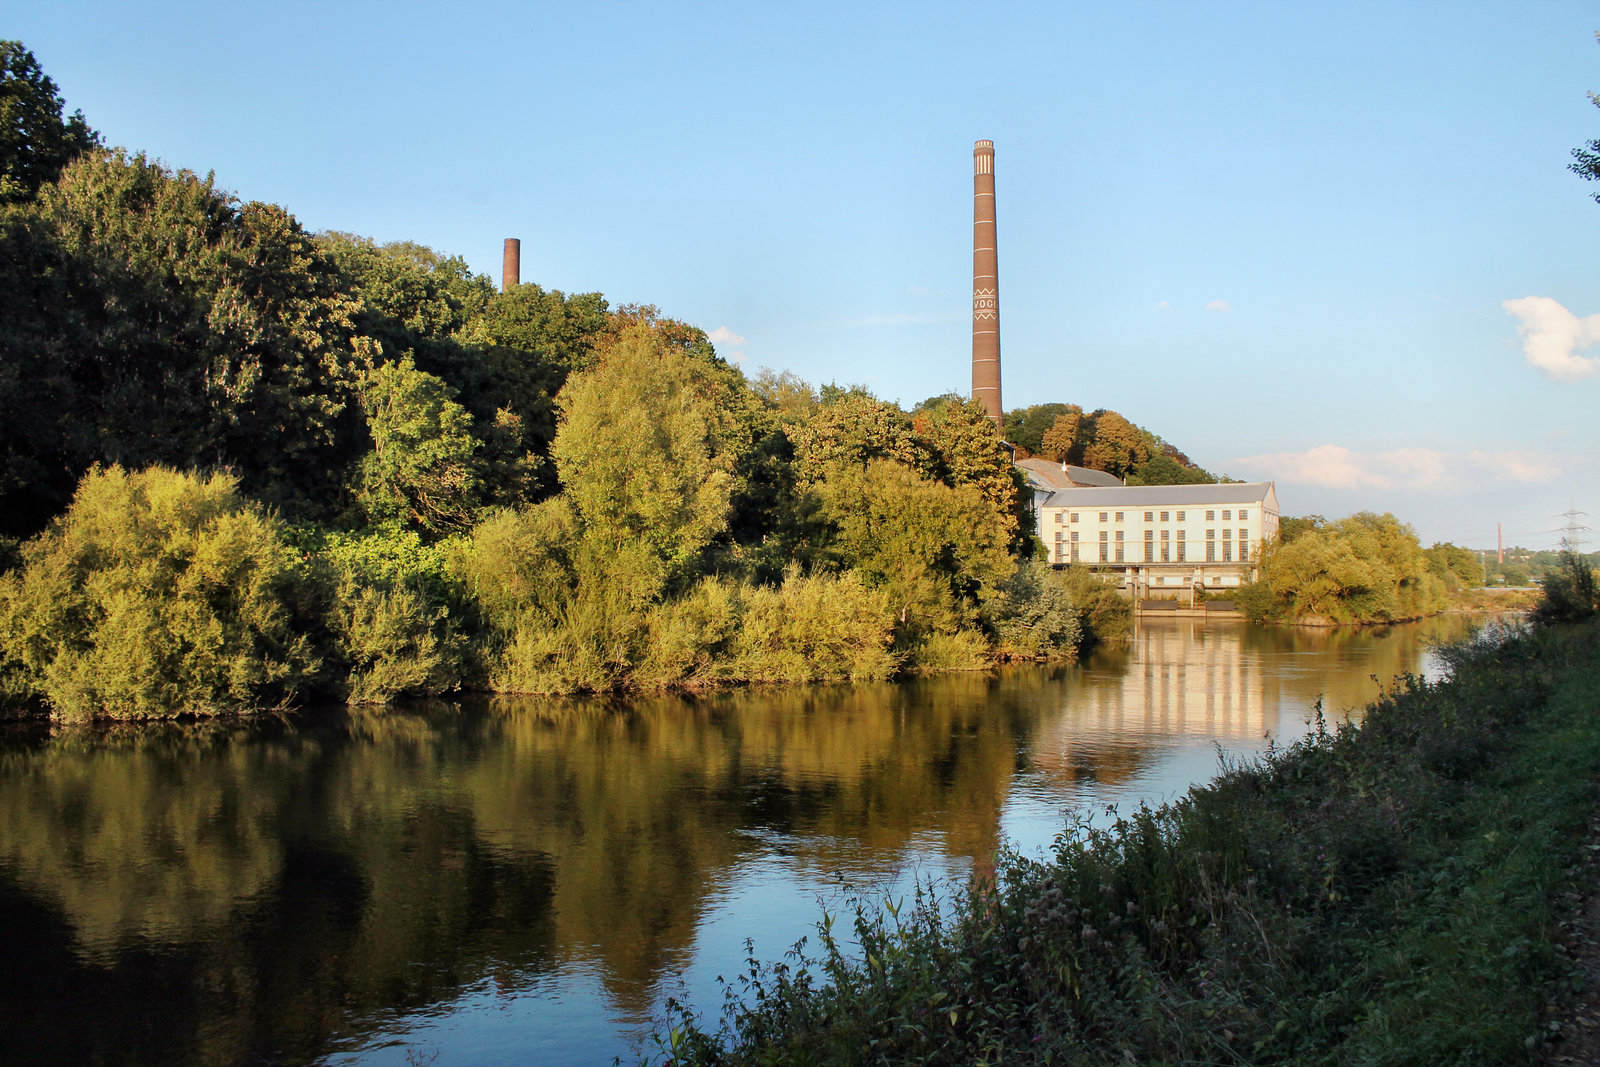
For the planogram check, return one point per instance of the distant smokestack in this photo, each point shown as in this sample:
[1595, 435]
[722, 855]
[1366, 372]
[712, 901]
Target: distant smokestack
[511, 267]
[985, 284]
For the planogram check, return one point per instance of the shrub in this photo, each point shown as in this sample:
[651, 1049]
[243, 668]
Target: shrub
[1570, 592]
[1031, 615]
[158, 593]
[398, 620]
[816, 628]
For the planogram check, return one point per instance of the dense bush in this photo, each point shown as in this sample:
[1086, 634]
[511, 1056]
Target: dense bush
[1570, 592]
[1363, 569]
[157, 593]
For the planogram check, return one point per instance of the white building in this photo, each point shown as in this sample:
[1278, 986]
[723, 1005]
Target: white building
[1156, 539]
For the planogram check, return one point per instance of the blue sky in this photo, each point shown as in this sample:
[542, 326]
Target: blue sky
[1280, 235]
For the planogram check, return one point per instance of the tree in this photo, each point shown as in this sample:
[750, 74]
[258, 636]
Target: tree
[1586, 160]
[966, 450]
[156, 320]
[422, 468]
[35, 142]
[1117, 445]
[650, 446]
[1061, 442]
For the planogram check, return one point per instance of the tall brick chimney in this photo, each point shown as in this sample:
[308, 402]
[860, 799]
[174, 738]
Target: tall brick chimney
[985, 284]
[511, 265]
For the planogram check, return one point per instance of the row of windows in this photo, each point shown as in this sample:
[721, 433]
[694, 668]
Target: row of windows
[1108, 555]
[1107, 552]
[1166, 516]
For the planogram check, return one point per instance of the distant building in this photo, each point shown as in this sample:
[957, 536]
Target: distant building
[1157, 540]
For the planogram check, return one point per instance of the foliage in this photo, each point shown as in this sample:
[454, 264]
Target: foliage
[398, 621]
[1373, 895]
[35, 142]
[1032, 614]
[1104, 614]
[1571, 593]
[1454, 566]
[650, 447]
[931, 547]
[150, 318]
[1586, 160]
[423, 467]
[1363, 569]
[158, 593]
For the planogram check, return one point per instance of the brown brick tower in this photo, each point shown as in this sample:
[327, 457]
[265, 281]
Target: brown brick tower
[985, 284]
[511, 264]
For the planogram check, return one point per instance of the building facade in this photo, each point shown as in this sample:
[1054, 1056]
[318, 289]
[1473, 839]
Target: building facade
[1159, 540]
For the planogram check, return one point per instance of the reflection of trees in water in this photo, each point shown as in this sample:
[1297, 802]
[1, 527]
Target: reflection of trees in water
[226, 892]
[278, 885]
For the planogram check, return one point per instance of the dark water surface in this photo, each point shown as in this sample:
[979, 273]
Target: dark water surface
[523, 881]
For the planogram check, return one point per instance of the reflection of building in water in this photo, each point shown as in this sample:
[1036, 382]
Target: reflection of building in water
[1181, 679]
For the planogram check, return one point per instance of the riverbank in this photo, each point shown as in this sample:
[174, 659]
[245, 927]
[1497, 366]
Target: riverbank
[1384, 894]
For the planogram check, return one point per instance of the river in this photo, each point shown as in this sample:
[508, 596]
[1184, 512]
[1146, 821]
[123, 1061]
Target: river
[524, 881]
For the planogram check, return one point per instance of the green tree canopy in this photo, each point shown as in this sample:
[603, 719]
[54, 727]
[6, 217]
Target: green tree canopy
[35, 141]
[650, 446]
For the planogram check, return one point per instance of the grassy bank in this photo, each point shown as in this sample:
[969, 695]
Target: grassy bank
[1372, 895]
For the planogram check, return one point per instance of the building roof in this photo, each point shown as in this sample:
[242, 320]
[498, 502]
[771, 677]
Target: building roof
[1047, 474]
[1133, 496]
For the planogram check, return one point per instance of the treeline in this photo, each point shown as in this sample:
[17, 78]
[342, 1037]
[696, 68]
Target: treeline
[240, 463]
[1366, 568]
[1102, 440]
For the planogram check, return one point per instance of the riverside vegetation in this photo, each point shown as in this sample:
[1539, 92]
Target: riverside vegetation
[1381, 894]
[241, 464]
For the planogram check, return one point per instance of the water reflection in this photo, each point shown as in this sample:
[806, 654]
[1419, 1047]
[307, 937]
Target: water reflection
[285, 890]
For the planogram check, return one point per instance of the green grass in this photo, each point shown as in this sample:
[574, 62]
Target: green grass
[1378, 895]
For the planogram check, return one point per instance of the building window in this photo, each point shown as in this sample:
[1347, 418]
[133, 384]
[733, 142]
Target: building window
[1183, 556]
[1180, 516]
[1074, 516]
[1119, 553]
[1058, 518]
[1227, 551]
[1103, 516]
[1243, 514]
[1211, 516]
[1211, 551]
[1226, 515]
[1244, 535]
[1074, 551]
[1166, 516]
[1166, 552]
[1105, 535]
[1121, 534]
[1105, 552]
[1147, 515]
[1244, 551]
[1074, 536]
[1119, 516]
[1181, 533]
[1166, 535]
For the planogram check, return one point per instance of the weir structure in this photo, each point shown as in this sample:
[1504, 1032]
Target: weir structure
[985, 284]
[511, 264]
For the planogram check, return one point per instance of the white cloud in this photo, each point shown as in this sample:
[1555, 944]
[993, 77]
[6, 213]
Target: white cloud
[724, 337]
[1163, 306]
[1552, 336]
[1337, 467]
[1218, 305]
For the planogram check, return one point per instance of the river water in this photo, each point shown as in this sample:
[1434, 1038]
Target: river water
[524, 881]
